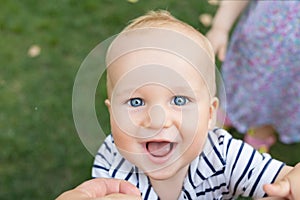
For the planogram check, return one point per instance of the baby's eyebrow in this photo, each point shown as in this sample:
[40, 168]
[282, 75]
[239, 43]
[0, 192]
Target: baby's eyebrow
[181, 88]
[184, 89]
[126, 91]
[175, 90]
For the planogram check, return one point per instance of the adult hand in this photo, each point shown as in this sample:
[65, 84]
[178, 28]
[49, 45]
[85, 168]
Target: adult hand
[287, 187]
[102, 189]
[218, 39]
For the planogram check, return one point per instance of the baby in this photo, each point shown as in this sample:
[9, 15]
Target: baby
[161, 99]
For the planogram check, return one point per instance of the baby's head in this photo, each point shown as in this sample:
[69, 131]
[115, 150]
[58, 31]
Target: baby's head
[157, 21]
[161, 88]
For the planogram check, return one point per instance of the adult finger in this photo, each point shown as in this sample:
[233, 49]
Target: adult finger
[120, 197]
[278, 189]
[222, 53]
[100, 187]
[287, 187]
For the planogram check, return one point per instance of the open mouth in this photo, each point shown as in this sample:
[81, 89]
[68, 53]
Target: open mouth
[159, 149]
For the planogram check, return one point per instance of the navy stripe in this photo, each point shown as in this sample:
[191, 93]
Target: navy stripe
[221, 137]
[280, 168]
[250, 173]
[208, 163]
[187, 195]
[100, 167]
[200, 175]
[258, 178]
[216, 151]
[236, 159]
[129, 175]
[225, 193]
[215, 130]
[220, 172]
[244, 172]
[102, 156]
[107, 147]
[229, 142]
[137, 177]
[210, 189]
[148, 191]
[118, 167]
[190, 178]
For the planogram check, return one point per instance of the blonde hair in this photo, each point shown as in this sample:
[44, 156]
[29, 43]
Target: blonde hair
[163, 18]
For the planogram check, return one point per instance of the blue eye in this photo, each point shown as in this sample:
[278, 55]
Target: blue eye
[136, 102]
[180, 100]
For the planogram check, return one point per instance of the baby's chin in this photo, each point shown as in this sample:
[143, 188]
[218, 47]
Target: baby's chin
[161, 174]
[152, 170]
[165, 172]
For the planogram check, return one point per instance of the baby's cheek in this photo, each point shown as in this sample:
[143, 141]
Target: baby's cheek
[122, 140]
[194, 138]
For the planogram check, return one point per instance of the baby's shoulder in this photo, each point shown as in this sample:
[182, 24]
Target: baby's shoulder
[224, 142]
[220, 136]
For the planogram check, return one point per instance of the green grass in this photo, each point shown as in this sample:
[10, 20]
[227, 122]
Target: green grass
[41, 154]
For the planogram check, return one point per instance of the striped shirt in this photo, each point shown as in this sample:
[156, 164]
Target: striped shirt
[225, 169]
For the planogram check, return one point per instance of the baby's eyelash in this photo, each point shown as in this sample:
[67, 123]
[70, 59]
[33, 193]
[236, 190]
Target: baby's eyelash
[180, 100]
[136, 102]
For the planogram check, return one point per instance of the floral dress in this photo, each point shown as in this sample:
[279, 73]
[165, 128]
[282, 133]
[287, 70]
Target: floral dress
[262, 69]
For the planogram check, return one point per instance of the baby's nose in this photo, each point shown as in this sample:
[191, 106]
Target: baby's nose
[157, 116]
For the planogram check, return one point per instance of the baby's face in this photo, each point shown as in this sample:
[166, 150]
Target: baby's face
[160, 111]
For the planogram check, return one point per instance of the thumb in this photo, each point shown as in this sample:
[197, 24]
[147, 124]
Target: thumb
[278, 189]
[100, 187]
[119, 196]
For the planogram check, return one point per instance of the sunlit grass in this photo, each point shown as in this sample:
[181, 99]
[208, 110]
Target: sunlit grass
[41, 154]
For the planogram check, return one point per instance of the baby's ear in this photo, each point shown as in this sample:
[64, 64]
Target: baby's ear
[214, 104]
[108, 104]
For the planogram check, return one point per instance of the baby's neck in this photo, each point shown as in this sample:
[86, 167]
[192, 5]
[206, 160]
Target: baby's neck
[171, 188]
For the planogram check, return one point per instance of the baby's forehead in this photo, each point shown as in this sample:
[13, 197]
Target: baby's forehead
[138, 41]
[169, 37]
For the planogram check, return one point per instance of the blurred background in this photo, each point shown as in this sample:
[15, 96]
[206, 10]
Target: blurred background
[42, 46]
